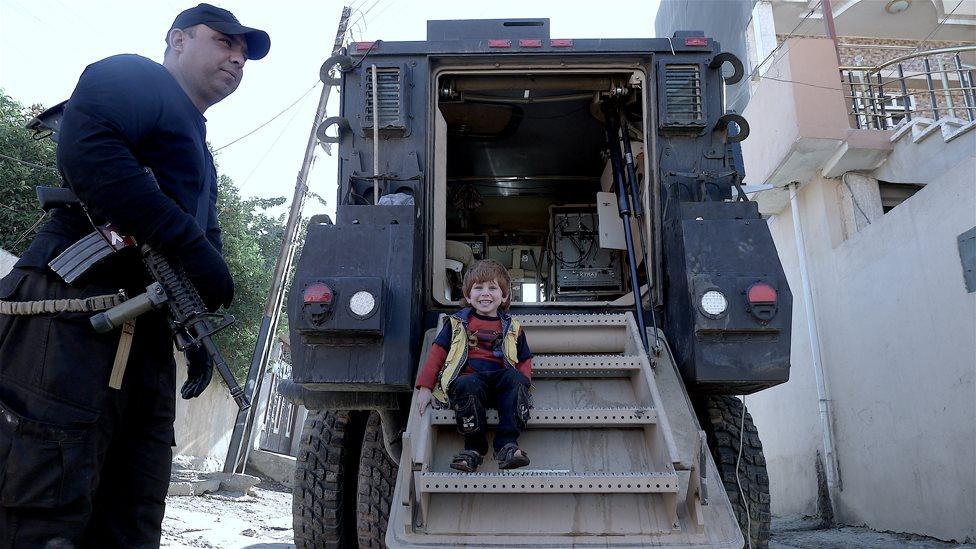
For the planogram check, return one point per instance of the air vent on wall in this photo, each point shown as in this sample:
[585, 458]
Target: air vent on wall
[683, 96]
[389, 99]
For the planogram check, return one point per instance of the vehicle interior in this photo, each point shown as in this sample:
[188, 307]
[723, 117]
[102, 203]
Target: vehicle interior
[522, 176]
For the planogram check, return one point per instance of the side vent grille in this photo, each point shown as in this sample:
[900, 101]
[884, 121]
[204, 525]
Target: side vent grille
[683, 95]
[389, 97]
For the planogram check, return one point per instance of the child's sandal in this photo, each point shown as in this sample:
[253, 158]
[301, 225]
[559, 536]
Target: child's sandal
[467, 461]
[511, 457]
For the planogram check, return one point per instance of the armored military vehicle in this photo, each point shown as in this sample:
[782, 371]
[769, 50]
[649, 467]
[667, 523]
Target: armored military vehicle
[605, 174]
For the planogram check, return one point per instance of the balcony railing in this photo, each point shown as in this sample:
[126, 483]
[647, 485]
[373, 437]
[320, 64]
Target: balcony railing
[932, 84]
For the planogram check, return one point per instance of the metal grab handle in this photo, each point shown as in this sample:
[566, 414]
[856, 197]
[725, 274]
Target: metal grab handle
[342, 125]
[345, 64]
[738, 120]
[737, 68]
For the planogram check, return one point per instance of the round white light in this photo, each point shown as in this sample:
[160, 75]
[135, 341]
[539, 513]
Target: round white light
[362, 303]
[714, 303]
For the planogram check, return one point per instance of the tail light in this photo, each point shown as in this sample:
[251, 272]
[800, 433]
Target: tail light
[761, 298]
[318, 299]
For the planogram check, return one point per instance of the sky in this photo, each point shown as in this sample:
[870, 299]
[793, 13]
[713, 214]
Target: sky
[46, 44]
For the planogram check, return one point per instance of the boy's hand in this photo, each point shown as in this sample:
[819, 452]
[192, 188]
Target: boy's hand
[423, 399]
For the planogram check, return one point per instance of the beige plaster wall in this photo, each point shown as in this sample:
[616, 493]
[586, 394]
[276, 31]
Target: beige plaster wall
[203, 424]
[898, 337]
[797, 108]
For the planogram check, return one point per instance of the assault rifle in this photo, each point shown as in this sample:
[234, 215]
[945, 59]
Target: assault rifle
[191, 322]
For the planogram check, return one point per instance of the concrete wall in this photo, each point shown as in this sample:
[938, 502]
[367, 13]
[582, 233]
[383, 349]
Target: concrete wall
[724, 21]
[898, 338]
[797, 116]
[203, 424]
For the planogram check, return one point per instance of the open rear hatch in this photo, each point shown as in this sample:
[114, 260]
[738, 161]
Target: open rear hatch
[522, 177]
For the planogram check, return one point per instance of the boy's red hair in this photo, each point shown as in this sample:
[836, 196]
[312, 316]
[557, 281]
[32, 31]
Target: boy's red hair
[487, 270]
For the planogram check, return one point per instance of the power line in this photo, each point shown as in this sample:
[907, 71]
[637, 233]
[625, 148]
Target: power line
[772, 54]
[31, 229]
[944, 19]
[26, 163]
[365, 13]
[270, 148]
[801, 83]
[272, 119]
[379, 13]
[354, 6]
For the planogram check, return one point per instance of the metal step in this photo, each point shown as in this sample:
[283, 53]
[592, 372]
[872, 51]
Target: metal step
[577, 333]
[573, 319]
[584, 365]
[570, 417]
[548, 482]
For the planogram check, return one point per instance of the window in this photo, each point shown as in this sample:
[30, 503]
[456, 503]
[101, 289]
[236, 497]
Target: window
[893, 194]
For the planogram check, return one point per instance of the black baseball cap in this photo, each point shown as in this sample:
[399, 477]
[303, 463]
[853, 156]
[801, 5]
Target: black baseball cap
[219, 19]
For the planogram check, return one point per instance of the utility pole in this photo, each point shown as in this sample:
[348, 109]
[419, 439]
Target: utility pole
[240, 438]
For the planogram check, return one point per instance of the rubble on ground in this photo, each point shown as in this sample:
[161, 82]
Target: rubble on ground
[209, 509]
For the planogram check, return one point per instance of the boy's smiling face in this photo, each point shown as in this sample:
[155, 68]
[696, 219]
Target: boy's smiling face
[486, 297]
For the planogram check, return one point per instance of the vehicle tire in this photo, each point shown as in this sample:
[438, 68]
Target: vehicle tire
[722, 422]
[377, 478]
[324, 497]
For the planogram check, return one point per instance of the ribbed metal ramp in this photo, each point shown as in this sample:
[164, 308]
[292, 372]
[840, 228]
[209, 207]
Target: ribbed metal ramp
[605, 471]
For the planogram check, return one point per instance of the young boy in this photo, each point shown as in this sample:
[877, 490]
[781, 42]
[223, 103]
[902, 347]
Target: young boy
[480, 359]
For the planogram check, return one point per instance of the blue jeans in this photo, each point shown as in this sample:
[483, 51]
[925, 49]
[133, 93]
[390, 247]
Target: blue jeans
[506, 390]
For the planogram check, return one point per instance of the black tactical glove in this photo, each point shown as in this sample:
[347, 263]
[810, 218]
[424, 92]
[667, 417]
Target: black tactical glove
[199, 371]
[208, 272]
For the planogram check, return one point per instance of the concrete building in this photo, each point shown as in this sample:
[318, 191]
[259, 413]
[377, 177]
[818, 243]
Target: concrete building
[871, 200]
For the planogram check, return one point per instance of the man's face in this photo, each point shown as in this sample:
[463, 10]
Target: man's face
[210, 63]
[486, 297]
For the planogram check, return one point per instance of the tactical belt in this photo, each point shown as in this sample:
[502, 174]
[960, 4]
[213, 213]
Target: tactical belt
[49, 306]
[91, 304]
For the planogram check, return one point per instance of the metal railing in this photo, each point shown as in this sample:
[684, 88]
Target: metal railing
[932, 84]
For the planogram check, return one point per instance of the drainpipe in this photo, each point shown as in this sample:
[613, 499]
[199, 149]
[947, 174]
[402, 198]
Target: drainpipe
[823, 402]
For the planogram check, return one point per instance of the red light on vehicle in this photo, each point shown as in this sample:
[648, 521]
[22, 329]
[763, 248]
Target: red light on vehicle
[696, 41]
[761, 293]
[761, 301]
[363, 46]
[561, 43]
[526, 43]
[318, 292]
[499, 43]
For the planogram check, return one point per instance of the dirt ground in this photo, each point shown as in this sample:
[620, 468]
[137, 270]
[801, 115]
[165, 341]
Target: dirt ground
[804, 533]
[233, 520]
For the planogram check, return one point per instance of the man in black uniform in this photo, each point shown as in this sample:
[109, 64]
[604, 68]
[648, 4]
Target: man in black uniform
[82, 464]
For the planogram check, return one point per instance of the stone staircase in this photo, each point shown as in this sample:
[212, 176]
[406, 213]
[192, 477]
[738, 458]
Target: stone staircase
[605, 471]
[920, 128]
